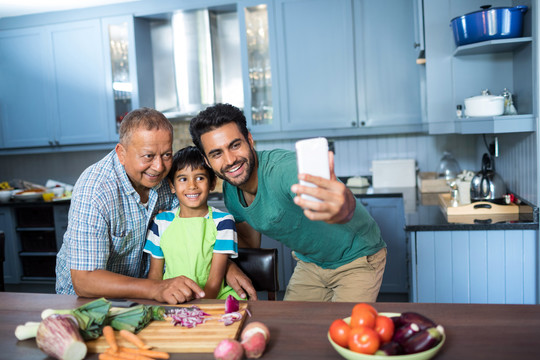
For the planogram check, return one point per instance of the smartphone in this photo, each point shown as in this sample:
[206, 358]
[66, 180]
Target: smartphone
[312, 158]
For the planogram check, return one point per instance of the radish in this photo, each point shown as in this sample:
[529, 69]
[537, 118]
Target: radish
[229, 349]
[254, 337]
[254, 345]
[58, 336]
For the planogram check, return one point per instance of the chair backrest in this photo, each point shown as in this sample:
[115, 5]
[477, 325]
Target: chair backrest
[261, 266]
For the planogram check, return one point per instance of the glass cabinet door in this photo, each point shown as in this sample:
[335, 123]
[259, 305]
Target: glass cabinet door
[260, 109]
[118, 33]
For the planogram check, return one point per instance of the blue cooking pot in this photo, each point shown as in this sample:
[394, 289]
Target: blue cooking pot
[488, 24]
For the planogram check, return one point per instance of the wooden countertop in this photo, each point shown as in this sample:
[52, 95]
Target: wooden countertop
[299, 329]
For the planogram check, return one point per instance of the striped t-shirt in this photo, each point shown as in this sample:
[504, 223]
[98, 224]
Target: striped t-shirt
[226, 238]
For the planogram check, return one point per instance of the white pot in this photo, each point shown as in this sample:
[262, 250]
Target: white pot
[484, 105]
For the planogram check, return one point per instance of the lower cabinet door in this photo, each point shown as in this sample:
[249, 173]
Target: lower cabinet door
[498, 267]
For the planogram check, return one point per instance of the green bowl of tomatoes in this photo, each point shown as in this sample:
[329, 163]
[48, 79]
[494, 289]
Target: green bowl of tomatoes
[407, 336]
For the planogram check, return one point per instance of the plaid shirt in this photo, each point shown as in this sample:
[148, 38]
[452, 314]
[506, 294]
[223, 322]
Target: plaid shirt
[108, 224]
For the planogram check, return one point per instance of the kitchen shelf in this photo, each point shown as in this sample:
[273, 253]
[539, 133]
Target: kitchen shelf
[496, 124]
[492, 46]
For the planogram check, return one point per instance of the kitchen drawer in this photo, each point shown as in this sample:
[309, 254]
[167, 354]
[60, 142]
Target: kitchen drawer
[38, 266]
[34, 216]
[38, 241]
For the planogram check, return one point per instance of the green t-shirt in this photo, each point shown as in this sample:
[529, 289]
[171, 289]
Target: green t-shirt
[274, 214]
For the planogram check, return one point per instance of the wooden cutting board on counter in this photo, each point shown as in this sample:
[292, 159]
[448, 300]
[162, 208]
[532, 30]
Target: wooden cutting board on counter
[164, 336]
[476, 208]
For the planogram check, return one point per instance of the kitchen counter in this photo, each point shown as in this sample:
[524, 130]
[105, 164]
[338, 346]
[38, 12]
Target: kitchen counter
[422, 215]
[473, 331]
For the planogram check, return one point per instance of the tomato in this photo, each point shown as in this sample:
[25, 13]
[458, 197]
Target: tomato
[364, 306]
[384, 326]
[364, 340]
[363, 317]
[339, 332]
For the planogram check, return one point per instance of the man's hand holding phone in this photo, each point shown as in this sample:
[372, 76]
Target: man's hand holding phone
[322, 196]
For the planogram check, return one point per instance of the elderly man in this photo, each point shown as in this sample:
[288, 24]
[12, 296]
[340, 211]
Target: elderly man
[112, 204]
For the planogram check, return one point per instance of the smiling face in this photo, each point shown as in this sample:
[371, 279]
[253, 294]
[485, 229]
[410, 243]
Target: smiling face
[192, 187]
[147, 158]
[231, 155]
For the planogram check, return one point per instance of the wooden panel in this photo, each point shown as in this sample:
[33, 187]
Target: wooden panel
[478, 279]
[164, 336]
[476, 267]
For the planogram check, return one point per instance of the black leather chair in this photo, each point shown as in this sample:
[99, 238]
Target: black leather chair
[2, 258]
[261, 266]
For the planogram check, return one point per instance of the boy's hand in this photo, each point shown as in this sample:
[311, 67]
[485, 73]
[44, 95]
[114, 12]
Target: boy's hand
[178, 290]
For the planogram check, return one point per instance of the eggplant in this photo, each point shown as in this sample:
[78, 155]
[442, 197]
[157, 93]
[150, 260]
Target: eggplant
[406, 331]
[422, 341]
[397, 321]
[422, 321]
[390, 348]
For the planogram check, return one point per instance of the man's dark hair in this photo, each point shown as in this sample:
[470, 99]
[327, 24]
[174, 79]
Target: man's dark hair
[214, 117]
[190, 157]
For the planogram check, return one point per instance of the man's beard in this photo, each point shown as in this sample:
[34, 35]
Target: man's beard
[249, 164]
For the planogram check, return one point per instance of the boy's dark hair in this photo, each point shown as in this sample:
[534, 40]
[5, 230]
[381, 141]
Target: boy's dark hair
[214, 117]
[190, 157]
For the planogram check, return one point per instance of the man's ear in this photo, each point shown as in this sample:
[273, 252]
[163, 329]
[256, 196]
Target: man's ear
[121, 153]
[250, 140]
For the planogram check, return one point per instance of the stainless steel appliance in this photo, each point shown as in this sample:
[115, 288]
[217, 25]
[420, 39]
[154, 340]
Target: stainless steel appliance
[487, 185]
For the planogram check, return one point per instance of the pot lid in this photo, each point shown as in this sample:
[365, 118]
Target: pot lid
[489, 8]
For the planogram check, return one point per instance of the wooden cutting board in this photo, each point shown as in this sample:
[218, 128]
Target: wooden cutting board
[164, 336]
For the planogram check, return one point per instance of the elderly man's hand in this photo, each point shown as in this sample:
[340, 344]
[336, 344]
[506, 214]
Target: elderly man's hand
[337, 201]
[177, 290]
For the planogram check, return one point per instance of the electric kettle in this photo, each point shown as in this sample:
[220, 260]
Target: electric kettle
[487, 185]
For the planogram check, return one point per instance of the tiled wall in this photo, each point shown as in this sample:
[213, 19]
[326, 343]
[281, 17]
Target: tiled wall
[517, 163]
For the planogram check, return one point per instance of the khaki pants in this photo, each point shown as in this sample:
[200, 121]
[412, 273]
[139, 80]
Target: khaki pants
[357, 281]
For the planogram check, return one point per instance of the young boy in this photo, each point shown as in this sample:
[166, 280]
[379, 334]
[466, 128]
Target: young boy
[194, 240]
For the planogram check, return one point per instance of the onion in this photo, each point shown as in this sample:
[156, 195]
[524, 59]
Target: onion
[230, 318]
[187, 316]
[231, 304]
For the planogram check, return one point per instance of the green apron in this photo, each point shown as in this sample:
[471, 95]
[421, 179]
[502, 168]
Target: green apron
[188, 245]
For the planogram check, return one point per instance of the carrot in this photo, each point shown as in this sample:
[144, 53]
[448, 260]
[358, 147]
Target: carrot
[134, 339]
[108, 332]
[122, 355]
[150, 353]
[109, 356]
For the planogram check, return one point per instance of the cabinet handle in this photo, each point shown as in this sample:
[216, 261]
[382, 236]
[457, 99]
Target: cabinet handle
[51, 143]
[364, 203]
[416, 45]
[56, 142]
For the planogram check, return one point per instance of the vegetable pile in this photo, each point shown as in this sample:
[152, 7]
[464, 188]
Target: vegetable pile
[253, 342]
[141, 352]
[372, 333]
[61, 333]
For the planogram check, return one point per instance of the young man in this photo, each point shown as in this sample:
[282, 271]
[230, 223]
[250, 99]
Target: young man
[112, 204]
[338, 247]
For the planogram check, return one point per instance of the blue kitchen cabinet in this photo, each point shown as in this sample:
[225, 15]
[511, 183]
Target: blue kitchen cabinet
[495, 266]
[316, 62]
[389, 214]
[344, 68]
[387, 44]
[54, 93]
[11, 262]
[456, 73]
[26, 96]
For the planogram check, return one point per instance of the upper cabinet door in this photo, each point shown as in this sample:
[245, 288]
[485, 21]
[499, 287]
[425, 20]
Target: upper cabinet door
[25, 98]
[316, 64]
[388, 76]
[81, 88]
